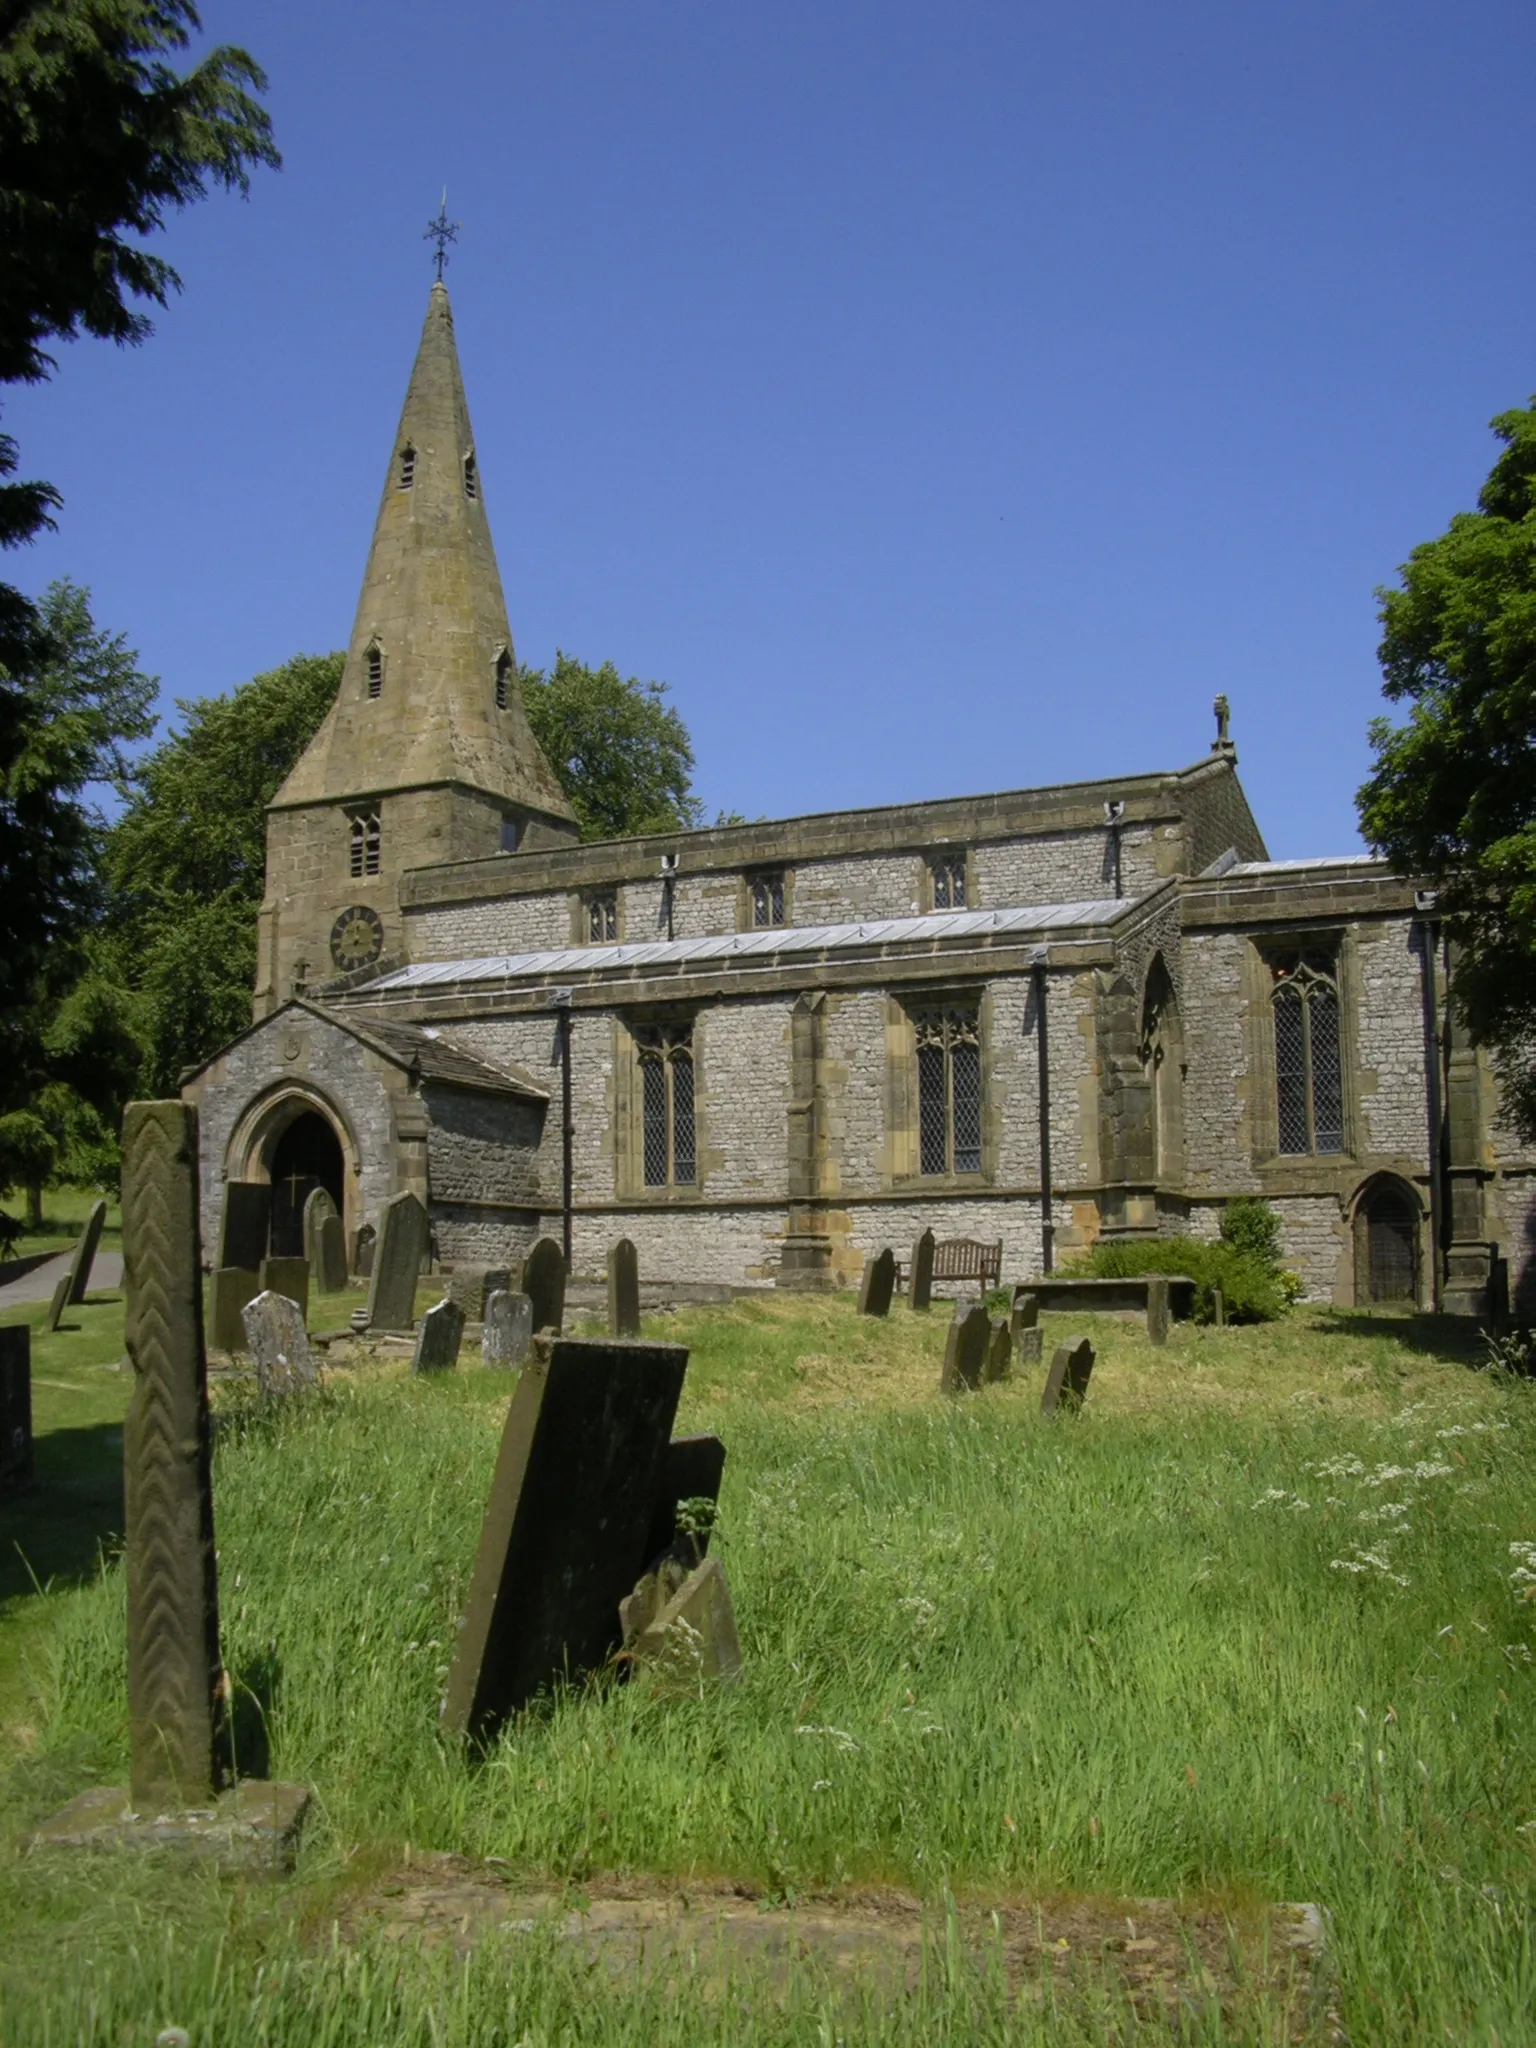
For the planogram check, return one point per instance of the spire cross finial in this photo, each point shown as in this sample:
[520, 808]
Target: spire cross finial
[442, 231]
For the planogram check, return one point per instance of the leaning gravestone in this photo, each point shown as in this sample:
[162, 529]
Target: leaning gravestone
[965, 1349]
[438, 1337]
[279, 1346]
[878, 1284]
[85, 1253]
[506, 1332]
[229, 1290]
[920, 1280]
[680, 1529]
[1157, 1307]
[287, 1276]
[999, 1352]
[362, 1251]
[1066, 1383]
[544, 1285]
[582, 1460]
[59, 1303]
[397, 1257]
[15, 1408]
[623, 1290]
[174, 1674]
[246, 1224]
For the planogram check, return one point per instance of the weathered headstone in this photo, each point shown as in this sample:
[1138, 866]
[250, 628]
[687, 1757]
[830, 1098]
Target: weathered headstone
[1218, 1307]
[1067, 1381]
[85, 1253]
[397, 1257]
[438, 1337]
[582, 1458]
[920, 1279]
[287, 1276]
[965, 1349]
[1028, 1346]
[999, 1352]
[465, 1288]
[279, 1347]
[878, 1284]
[230, 1288]
[59, 1303]
[544, 1285]
[246, 1224]
[494, 1280]
[623, 1289]
[1025, 1311]
[15, 1408]
[1157, 1308]
[693, 1639]
[362, 1251]
[506, 1331]
[325, 1243]
[174, 1675]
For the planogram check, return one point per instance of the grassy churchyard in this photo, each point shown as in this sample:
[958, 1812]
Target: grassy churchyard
[1253, 1628]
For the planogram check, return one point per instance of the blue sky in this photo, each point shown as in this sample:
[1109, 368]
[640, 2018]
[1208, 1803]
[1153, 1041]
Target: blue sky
[937, 398]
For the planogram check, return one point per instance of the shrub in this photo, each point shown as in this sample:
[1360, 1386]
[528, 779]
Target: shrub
[1254, 1292]
[1250, 1225]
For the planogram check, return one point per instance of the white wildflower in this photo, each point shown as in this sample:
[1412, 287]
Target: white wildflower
[839, 1736]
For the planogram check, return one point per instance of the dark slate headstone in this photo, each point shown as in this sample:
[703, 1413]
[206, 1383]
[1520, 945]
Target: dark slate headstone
[15, 1408]
[920, 1279]
[574, 1495]
[1067, 1381]
[691, 1471]
[362, 1251]
[397, 1257]
[1025, 1313]
[999, 1352]
[290, 1277]
[965, 1349]
[246, 1224]
[1157, 1307]
[544, 1285]
[85, 1253]
[230, 1288]
[438, 1336]
[59, 1303]
[623, 1290]
[878, 1284]
[506, 1331]
[278, 1344]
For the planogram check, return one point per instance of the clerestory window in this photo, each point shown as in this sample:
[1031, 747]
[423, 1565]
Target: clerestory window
[373, 663]
[1309, 1078]
[668, 1138]
[405, 476]
[948, 872]
[949, 1089]
[365, 845]
[603, 917]
[767, 894]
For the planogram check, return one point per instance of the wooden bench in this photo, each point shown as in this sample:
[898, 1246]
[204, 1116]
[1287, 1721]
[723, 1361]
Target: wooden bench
[961, 1258]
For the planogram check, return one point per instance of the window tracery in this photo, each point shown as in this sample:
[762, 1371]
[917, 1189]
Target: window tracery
[669, 1134]
[949, 1089]
[1309, 1077]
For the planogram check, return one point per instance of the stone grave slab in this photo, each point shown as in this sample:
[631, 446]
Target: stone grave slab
[287, 1276]
[362, 1251]
[230, 1290]
[85, 1253]
[397, 1261]
[582, 1459]
[15, 1408]
[252, 1827]
[438, 1337]
[878, 1284]
[59, 1303]
[279, 1347]
[623, 1289]
[246, 1224]
[999, 1360]
[544, 1285]
[1159, 1309]
[1066, 1384]
[920, 1279]
[506, 1331]
[693, 1639]
[965, 1349]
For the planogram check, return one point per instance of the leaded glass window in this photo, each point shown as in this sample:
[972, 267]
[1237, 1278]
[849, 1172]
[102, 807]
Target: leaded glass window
[366, 844]
[602, 917]
[767, 898]
[669, 1142]
[949, 882]
[1309, 1074]
[949, 1090]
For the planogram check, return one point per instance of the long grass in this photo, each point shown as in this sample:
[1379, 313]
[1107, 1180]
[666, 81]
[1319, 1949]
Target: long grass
[1250, 1628]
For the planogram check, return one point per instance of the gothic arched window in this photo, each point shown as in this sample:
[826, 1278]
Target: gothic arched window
[670, 1135]
[949, 1089]
[1309, 1074]
[366, 844]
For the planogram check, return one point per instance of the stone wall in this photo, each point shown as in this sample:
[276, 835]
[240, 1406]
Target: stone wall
[1383, 987]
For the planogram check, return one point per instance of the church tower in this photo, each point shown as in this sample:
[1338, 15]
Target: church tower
[427, 754]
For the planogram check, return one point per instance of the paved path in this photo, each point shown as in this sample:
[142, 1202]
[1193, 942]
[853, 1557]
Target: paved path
[38, 1285]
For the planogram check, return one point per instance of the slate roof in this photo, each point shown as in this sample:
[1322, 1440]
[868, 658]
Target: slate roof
[436, 1058]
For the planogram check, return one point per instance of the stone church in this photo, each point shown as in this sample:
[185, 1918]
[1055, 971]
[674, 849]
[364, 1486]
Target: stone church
[1039, 1016]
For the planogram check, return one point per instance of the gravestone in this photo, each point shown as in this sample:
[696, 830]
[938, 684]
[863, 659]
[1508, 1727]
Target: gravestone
[1025, 1312]
[59, 1303]
[693, 1639]
[1157, 1308]
[506, 1330]
[1218, 1307]
[325, 1243]
[465, 1288]
[878, 1284]
[1028, 1346]
[438, 1336]
[279, 1347]
[623, 1290]
[999, 1352]
[1066, 1383]
[230, 1288]
[920, 1279]
[290, 1277]
[15, 1408]
[582, 1460]
[246, 1224]
[85, 1253]
[965, 1349]
[174, 1674]
[362, 1252]
[544, 1285]
[397, 1257]
[494, 1280]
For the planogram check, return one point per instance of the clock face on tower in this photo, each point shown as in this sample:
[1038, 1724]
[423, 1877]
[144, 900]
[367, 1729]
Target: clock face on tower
[357, 938]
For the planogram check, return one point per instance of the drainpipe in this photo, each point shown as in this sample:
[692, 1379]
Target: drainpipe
[560, 1002]
[1113, 814]
[1425, 901]
[1043, 1054]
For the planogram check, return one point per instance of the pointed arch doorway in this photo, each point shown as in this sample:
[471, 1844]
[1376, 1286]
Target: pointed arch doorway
[306, 1156]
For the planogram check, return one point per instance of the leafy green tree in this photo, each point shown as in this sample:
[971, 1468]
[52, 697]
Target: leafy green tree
[621, 753]
[1452, 796]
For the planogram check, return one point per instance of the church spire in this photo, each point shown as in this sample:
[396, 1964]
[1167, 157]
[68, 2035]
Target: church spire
[429, 696]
